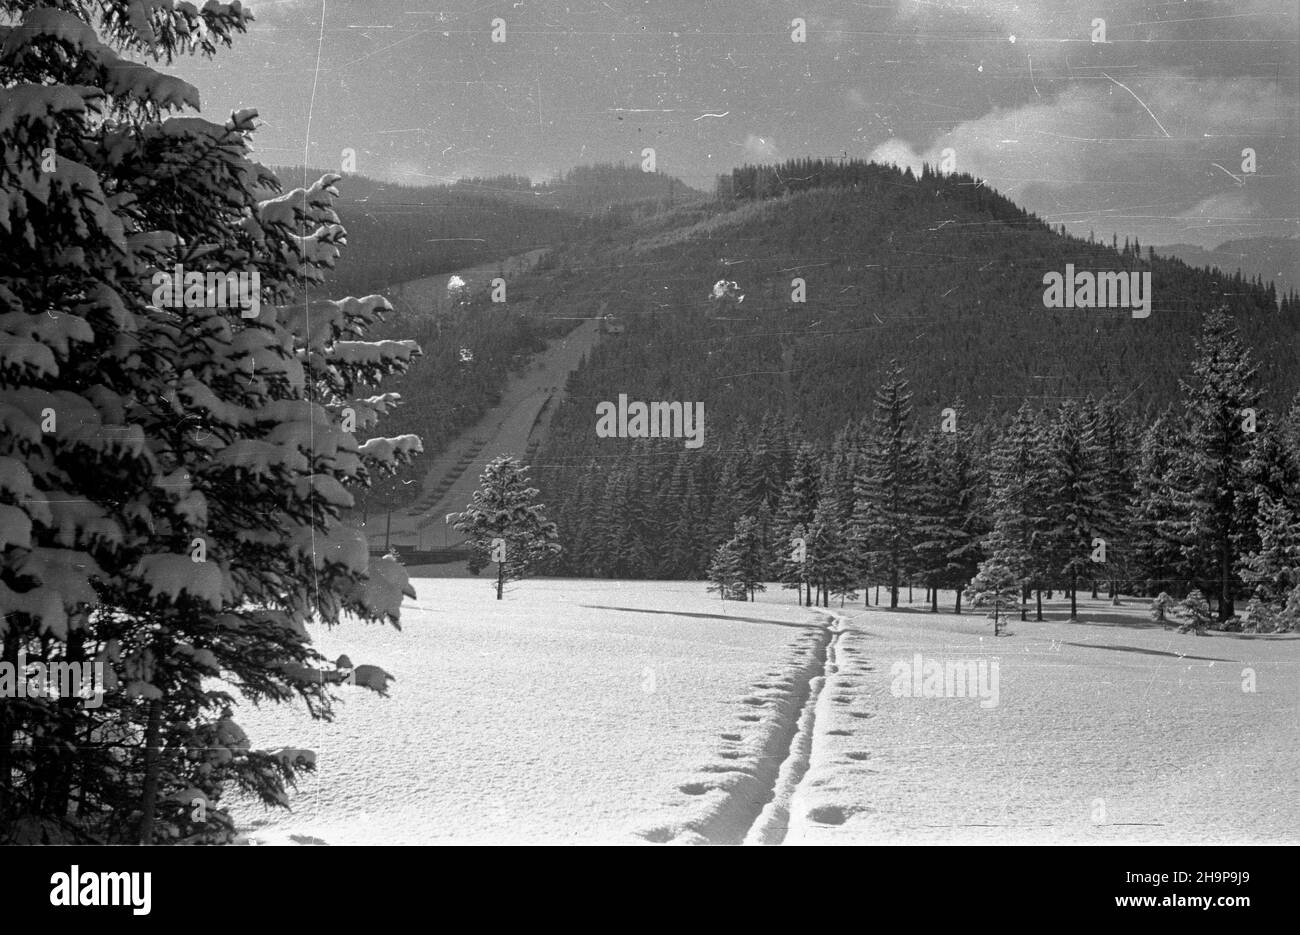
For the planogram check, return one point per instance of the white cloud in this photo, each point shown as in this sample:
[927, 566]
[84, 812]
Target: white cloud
[896, 152]
[1078, 157]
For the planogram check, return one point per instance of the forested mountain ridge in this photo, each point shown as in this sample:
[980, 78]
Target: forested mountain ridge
[937, 273]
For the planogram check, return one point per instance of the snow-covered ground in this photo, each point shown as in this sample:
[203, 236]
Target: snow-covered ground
[1111, 731]
[572, 711]
[593, 711]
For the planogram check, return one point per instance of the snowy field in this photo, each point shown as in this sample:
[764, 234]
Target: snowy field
[570, 712]
[634, 712]
[1115, 731]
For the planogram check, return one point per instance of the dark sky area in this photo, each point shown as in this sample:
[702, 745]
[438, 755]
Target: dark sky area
[1142, 134]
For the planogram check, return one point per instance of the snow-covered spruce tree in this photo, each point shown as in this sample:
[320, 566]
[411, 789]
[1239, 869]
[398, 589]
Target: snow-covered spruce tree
[1075, 510]
[751, 548]
[1273, 569]
[1217, 450]
[1116, 441]
[1017, 501]
[504, 523]
[885, 489]
[1162, 605]
[830, 556]
[948, 529]
[791, 561]
[996, 587]
[795, 508]
[1153, 522]
[1194, 612]
[171, 473]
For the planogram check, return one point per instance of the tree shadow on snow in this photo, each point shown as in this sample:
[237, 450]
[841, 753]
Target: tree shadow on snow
[686, 613]
[1148, 652]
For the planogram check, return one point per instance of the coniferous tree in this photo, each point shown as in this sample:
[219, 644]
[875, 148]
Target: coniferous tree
[504, 523]
[1217, 452]
[886, 490]
[1116, 445]
[683, 505]
[996, 587]
[791, 562]
[1272, 570]
[768, 464]
[1076, 514]
[727, 502]
[948, 528]
[177, 466]
[751, 553]
[1194, 611]
[830, 562]
[724, 573]
[797, 506]
[1156, 555]
[1017, 501]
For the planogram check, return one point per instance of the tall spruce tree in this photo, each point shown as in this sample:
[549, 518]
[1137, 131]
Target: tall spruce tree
[1157, 557]
[1017, 538]
[830, 562]
[796, 508]
[948, 528]
[886, 494]
[1217, 400]
[1116, 443]
[175, 465]
[1076, 513]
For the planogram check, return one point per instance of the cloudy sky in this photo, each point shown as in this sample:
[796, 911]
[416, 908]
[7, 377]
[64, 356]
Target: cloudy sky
[1142, 134]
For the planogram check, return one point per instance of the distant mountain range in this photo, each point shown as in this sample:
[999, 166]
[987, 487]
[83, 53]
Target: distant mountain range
[1275, 259]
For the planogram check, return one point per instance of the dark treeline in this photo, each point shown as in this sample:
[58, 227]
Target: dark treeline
[398, 232]
[619, 191]
[1085, 493]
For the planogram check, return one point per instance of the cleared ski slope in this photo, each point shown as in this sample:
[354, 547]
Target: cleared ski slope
[528, 400]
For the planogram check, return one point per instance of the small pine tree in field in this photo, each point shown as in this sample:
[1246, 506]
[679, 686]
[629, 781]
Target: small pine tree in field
[505, 524]
[725, 572]
[1194, 611]
[1161, 606]
[996, 587]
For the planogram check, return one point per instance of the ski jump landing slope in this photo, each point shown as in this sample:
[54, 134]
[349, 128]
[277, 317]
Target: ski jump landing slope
[528, 401]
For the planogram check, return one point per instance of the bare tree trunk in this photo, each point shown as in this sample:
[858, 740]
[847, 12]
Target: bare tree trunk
[7, 728]
[1225, 580]
[152, 761]
[1040, 605]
